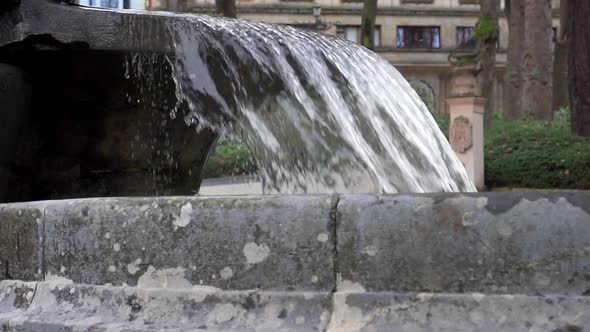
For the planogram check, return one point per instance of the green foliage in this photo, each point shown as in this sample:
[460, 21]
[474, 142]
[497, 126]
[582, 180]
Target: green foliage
[534, 154]
[229, 158]
[443, 121]
[425, 93]
[486, 28]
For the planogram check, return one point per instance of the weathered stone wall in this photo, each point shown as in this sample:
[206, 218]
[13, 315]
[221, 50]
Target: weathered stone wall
[486, 262]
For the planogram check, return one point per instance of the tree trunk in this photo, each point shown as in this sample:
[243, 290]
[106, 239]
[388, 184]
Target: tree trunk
[514, 79]
[579, 66]
[537, 94]
[226, 8]
[368, 24]
[173, 6]
[560, 81]
[487, 40]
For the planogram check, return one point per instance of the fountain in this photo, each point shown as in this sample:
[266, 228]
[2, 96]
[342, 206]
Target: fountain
[104, 103]
[321, 114]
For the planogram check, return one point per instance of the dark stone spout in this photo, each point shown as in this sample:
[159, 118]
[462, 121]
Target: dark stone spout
[77, 119]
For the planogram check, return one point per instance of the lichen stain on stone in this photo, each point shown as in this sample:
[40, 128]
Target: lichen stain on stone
[255, 253]
[345, 318]
[273, 317]
[133, 266]
[447, 215]
[350, 318]
[424, 297]
[541, 279]
[323, 237]
[226, 273]
[165, 278]
[346, 286]
[370, 250]
[184, 218]
[478, 297]
[504, 229]
[225, 312]
[55, 281]
[481, 202]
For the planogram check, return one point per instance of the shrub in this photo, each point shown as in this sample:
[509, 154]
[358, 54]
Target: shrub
[229, 158]
[534, 154]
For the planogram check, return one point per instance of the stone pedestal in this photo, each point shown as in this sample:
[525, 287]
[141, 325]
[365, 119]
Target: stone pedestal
[466, 135]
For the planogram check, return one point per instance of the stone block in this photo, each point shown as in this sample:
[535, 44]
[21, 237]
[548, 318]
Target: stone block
[59, 306]
[491, 243]
[458, 312]
[237, 243]
[21, 228]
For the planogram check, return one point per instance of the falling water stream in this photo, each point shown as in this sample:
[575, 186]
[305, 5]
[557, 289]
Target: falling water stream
[319, 113]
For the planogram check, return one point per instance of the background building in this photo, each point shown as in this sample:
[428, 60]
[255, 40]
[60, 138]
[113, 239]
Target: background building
[416, 36]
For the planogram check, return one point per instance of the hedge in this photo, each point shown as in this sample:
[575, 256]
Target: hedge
[518, 154]
[534, 154]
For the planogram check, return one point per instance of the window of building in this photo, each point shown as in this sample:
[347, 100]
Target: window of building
[353, 33]
[418, 37]
[123, 4]
[465, 37]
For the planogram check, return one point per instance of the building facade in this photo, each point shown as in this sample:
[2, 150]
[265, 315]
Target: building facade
[416, 36]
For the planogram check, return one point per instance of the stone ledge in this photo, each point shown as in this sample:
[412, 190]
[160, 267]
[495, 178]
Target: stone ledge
[491, 243]
[494, 261]
[65, 306]
[458, 312]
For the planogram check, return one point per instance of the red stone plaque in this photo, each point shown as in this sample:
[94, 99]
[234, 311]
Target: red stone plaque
[461, 134]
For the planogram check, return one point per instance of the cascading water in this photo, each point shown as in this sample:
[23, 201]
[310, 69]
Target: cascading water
[320, 114]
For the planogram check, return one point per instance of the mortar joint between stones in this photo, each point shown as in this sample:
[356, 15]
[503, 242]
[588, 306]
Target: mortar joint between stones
[334, 227]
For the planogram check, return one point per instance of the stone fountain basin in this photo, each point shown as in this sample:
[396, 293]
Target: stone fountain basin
[97, 29]
[78, 119]
[486, 262]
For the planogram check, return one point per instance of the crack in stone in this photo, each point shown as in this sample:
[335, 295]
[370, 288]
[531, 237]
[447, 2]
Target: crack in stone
[334, 225]
[333, 215]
